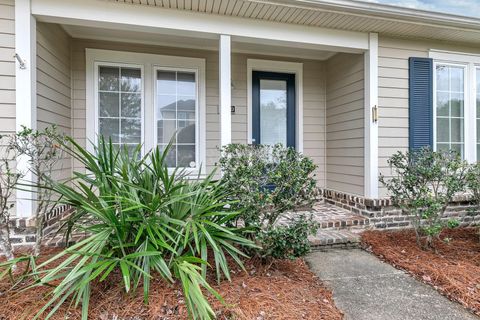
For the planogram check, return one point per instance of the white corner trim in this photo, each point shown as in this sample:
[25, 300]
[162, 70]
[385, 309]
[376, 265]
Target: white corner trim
[148, 63]
[225, 89]
[25, 94]
[371, 127]
[278, 66]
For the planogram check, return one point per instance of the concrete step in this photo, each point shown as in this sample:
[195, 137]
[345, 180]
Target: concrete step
[328, 239]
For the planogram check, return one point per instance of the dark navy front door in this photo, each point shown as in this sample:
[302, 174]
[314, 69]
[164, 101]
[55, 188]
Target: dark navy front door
[273, 108]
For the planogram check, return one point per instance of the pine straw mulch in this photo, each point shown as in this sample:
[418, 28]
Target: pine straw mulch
[454, 270]
[280, 290]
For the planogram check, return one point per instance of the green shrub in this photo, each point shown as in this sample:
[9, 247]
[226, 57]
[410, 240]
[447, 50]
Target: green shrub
[288, 240]
[267, 182]
[473, 185]
[423, 183]
[144, 221]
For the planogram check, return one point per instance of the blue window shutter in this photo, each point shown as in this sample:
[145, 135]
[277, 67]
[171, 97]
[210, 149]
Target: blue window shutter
[420, 103]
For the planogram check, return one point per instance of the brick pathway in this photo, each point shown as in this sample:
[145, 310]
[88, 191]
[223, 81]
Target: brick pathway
[339, 228]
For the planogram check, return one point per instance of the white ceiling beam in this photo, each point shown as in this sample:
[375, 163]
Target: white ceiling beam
[121, 16]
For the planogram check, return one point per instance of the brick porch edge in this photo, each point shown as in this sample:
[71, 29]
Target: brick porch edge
[383, 215]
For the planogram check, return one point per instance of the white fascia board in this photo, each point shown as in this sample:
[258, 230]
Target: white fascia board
[26, 96]
[108, 14]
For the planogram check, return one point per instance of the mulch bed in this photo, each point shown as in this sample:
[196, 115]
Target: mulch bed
[454, 270]
[279, 290]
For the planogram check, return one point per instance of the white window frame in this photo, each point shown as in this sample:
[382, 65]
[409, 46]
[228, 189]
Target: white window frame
[470, 62]
[197, 110]
[142, 93]
[149, 63]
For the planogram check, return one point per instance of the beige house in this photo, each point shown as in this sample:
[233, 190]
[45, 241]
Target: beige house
[334, 79]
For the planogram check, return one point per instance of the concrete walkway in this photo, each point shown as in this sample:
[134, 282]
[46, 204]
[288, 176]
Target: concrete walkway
[366, 288]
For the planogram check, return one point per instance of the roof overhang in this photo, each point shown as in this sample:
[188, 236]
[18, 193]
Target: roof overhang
[339, 14]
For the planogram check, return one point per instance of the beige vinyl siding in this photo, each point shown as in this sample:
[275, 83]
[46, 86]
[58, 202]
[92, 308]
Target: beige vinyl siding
[393, 57]
[7, 66]
[54, 86]
[314, 98]
[345, 123]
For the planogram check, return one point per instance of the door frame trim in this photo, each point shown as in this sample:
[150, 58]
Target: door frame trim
[280, 67]
[289, 78]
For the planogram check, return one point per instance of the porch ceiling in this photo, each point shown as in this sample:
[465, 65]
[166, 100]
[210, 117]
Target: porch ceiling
[338, 14]
[166, 40]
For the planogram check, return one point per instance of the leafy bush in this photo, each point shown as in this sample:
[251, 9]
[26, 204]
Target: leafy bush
[41, 149]
[267, 182]
[287, 240]
[473, 185]
[423, 183]
[143, 221]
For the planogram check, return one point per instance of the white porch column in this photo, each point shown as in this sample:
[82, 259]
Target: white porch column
[225, 90]
[25, 91]
[371, 117]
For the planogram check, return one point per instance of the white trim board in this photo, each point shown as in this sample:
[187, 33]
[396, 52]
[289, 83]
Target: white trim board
[25, 96]
[121, 16]
[285, 67]
[149, 63]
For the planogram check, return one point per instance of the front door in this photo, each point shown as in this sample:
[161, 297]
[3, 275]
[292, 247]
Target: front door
[273, 108]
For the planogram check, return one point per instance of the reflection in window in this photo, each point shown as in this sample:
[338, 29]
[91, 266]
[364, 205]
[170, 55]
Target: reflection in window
[176, 115]
[120, 105]
[450, 99]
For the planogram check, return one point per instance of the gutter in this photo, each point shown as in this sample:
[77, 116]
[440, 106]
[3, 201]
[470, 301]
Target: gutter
[382, 11]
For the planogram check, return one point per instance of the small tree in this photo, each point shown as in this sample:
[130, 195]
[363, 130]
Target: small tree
[423, 183]
[43, 152]
[8, 181]
[267, 182]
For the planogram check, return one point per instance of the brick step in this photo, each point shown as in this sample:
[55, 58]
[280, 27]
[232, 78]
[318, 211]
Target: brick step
[346, 222]
[327, 239]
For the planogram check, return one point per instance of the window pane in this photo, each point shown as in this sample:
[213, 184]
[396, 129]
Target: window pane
[166, 82]
[187, 105]
[171, 158]
[166, 130]
[458, 148]
[109, 128]
[273, 112]
[442, 78]
[186, 156]
[131, 130]
[131, 80]
[443, 132]
[166, 106]
[456, 79]
[442, 147]
[443, 104]
[186, 83]
[131, 105]
[456, 104]
[457, 130]
[186, 131]
[108, 78]
[108, 104]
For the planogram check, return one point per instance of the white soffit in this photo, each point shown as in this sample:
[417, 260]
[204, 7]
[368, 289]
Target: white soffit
[166, 40]
[338, 14]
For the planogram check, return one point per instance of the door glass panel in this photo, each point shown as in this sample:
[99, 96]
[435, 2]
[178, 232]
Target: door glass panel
[273, 112]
